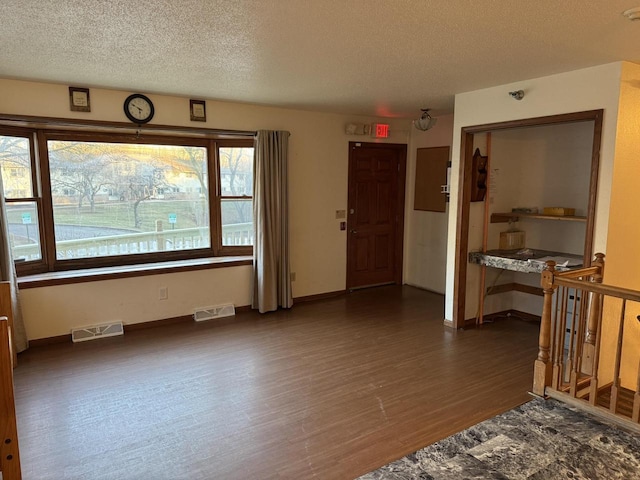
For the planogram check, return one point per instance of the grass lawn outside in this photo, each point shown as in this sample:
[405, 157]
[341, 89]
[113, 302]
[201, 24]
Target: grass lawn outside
[120, 214]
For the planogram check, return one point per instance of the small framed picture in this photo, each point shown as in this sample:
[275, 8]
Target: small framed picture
[79, 100]
[198, 110]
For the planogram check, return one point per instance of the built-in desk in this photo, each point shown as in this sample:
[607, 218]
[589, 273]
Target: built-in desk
[518, 262]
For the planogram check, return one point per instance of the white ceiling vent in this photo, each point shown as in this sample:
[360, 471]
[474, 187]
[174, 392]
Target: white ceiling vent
[82, 334]
[209, 313]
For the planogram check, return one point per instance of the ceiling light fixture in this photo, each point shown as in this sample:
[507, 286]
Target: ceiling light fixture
[632, 13]
[517, 94]
[425, 122]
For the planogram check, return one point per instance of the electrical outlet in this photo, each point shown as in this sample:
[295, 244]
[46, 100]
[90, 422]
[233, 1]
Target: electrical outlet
[163, 293]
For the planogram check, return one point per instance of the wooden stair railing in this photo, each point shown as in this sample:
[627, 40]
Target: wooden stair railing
[6, 310]
[568, 366]
[9, 452]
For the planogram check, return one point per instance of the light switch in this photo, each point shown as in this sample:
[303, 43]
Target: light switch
[343, 225]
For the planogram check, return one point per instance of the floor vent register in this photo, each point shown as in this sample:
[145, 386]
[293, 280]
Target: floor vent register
[82, 334]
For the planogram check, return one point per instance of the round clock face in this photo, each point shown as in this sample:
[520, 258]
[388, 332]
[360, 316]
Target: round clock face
[138, 108]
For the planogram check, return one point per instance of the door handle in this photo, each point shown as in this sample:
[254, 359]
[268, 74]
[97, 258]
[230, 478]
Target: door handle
[354, 231]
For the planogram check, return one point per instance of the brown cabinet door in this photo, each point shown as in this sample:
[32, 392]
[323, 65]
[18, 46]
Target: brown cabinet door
[375, 215]
[431, 175]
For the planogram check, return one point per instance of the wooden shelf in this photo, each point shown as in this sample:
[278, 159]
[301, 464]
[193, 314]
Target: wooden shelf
[515, 216]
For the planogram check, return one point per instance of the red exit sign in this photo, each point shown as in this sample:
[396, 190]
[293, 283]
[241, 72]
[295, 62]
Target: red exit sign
[381, 130]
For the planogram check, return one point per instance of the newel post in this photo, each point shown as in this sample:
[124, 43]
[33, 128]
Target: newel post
[542, 366]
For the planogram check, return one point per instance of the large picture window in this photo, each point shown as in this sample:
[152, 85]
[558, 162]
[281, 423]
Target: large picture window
[113, 199]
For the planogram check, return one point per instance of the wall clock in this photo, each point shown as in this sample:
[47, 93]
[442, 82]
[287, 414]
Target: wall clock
[138, 108]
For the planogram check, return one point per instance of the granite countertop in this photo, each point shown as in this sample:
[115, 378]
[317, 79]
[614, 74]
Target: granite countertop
[518, 260]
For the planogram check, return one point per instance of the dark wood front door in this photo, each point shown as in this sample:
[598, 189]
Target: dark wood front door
[375, 217]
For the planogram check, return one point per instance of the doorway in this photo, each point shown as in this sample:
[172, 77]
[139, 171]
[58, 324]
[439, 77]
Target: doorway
[375, 215]
[465, 189]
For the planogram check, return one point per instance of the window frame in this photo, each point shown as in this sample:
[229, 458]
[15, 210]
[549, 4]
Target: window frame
[34, 266]
[230, 249]
[41, 181]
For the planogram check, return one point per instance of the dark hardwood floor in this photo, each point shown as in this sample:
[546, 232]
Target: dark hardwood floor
[329, 390]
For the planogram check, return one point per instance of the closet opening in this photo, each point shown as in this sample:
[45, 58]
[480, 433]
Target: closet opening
[529, 166]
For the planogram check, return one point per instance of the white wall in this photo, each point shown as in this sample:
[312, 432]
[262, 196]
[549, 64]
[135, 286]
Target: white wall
[622, 262]
[53, 311]
[580, 90]
[426, 232]
[542, 167]
[318, 187]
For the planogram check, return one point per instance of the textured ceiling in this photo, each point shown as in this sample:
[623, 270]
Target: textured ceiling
[383, 57]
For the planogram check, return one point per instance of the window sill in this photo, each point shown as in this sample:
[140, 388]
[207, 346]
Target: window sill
[126, 271]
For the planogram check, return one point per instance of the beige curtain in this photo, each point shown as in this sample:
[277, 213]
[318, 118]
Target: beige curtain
[271, 276]
[8, 273]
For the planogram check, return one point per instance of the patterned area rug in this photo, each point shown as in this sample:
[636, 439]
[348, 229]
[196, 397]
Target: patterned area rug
[538, 440]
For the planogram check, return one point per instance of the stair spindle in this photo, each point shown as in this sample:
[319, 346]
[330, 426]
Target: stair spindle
[580, 317]
[572, 342]
[635, 416]
[559, 328]
[616, 374]
[596, 301]
[593, 394]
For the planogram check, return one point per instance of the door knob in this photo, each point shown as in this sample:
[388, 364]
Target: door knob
[354, 231]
